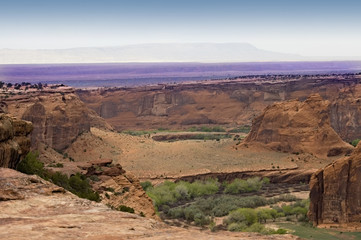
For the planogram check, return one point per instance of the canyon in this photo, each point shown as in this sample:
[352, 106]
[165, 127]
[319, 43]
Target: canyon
[239, 101]
[299, 124]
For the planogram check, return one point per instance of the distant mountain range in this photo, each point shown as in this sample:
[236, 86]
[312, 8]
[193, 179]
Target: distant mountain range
[170, 52]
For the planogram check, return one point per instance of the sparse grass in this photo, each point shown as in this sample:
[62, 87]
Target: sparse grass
[241, 129]
[144, 132]
[57, 165]
[305, 231]
[207, 129]
[209, 136]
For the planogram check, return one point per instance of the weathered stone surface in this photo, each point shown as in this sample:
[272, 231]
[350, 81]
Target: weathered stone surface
[345, 113]
[298, 127]
[235, 102]
[336, 192]
[14, 141]
[117, 187]
[37, 209]
[57, 117]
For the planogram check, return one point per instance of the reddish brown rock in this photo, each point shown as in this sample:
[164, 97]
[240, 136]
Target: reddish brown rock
[298, 127]
[117, 187]
[231, 102]
[345, 113]
[37, 209]
[14, 141]
[58, 117]
[336, 192]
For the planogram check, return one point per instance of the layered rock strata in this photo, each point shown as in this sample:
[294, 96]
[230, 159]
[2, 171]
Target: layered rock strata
[298, 127]
[14, 140]
[58, 117]
[336, 192]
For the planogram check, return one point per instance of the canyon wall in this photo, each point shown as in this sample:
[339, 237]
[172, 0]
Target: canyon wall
[336, 192]
[14, 141]
[235, 102]
[298, 127]
[58, 117]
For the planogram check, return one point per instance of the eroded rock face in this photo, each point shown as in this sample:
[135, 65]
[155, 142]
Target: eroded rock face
[14, 141]
[32, 208]
[117, 187]
[336, 192]
[346, 113]
[235, 102]
[57, 117]
[298, 127]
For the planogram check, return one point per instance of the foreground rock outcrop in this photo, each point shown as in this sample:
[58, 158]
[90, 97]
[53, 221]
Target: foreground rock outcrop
[336, 192]
[31, 208]
[116, 188]
[58, 116]
[298, 127]
[14, 141]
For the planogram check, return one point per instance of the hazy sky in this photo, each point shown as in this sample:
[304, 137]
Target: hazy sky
[311, 28]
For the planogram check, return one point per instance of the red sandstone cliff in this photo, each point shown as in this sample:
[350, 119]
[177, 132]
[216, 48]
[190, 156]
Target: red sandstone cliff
[14, 141]
[298, 127]
[57, 117]
[224, 102]
[336, 192]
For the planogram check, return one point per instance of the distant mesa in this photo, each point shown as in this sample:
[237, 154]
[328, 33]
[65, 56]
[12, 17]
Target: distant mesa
[170, 52]
[298, 127]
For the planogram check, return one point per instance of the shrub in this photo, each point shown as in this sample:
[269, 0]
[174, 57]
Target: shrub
[31, 165]
[60, 179]
[200, 219]
[80, 186]
[94, 178]
[355, 142]
[257, 227]
[124, 208]
[241, 186]
[182, 191]
[57, 165]
[263, 215]
[146, 185]
[236, 227]
[247, 216]
[170, 192]
[77, 184]
[207, 187]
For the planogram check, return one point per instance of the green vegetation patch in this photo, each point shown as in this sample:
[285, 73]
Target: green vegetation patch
[241, 129]
[170, 192]
[243, 186]
[207, 129]
[306, 231]
[355, 142]
[77, 184]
